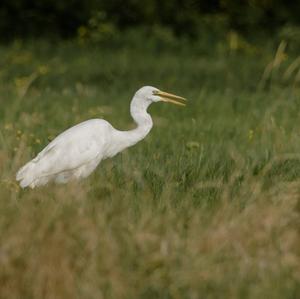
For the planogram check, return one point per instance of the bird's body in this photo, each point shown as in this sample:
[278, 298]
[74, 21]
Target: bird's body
[76, 152]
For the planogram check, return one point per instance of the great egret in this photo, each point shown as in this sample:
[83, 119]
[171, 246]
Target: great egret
[76, 152]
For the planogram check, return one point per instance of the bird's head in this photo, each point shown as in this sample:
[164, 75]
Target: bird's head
[152, 94]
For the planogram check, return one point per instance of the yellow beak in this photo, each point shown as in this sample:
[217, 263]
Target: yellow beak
[171, 98]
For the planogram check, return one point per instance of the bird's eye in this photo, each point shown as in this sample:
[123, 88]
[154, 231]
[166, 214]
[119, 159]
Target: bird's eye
[154, 92]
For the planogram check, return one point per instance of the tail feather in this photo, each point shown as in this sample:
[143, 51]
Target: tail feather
[30, 176]
[27, 175]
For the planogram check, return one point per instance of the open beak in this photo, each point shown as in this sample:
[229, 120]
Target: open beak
[171, 98]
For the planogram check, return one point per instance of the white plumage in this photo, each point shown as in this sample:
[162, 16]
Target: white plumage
[76, 152]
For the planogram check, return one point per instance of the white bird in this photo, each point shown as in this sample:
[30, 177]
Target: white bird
[75, 153]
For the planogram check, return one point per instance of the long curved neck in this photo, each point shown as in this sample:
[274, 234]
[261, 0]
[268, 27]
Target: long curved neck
[138, 110]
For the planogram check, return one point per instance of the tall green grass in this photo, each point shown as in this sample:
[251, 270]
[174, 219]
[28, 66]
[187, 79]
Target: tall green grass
[207, 206]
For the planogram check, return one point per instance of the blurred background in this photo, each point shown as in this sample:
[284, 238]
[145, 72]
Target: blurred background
[105, 19]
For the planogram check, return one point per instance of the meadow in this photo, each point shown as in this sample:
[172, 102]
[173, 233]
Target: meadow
[207, 206]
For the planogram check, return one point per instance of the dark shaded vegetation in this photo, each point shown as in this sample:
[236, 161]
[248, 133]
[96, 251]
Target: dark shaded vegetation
[46, 18]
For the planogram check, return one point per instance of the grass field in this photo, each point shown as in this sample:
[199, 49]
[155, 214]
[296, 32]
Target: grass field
[207, 206]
